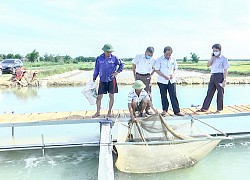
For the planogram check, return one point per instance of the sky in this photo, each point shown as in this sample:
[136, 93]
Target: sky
[82, 27]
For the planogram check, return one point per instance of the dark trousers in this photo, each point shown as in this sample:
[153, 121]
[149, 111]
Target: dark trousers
[213, 85]
[146, 79]
[171, 89]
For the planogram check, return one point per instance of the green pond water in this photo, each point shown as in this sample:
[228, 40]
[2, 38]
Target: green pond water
[229, 160]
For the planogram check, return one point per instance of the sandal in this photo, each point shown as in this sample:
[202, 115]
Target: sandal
[164, 113]
[201, 110]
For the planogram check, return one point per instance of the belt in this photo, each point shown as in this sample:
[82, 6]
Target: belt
[217, 73]
[148, 74]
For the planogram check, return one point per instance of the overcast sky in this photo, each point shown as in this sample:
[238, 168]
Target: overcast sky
[82, 27]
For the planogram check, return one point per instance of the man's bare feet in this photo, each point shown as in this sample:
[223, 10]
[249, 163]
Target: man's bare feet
[109, 114]
[97, 114]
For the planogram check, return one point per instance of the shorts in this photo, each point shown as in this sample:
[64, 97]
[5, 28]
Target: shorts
[139, 106]
[108, 87]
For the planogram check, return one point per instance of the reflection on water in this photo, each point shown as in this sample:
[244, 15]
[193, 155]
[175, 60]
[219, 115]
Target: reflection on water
[25, 93]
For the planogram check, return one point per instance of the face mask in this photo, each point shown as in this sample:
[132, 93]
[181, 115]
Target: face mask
[217, 53]
[148, 57]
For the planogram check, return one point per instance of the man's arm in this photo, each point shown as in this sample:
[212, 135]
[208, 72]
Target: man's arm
[133, 118]
[161, 74]
[120, 64]
[210, 62]
[96, 70]
[225, 73]
[134, 70]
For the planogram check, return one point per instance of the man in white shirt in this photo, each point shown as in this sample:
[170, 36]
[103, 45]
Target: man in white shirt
[143, 69]
[166, 68]
[138, 99]
[219, 70]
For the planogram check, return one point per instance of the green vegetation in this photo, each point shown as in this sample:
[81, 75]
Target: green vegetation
[51, 68]
[236, 67]
[48, 65]
[194, 57]
[45, 69]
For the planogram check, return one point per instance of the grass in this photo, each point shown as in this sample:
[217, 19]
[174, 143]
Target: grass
[237, 68]
[241, 68]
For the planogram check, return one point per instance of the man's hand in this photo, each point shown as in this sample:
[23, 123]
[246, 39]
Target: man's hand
[167, 77]
[223, 84]
[114, 74]
[212, 57]
[133, 119]
[171, 76]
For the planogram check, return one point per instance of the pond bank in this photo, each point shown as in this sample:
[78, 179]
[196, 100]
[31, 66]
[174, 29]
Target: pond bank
[80, 78]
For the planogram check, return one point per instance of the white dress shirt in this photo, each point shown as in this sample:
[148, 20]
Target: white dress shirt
[143, 65]
[219, 64]
[133, 96]
[167, 67]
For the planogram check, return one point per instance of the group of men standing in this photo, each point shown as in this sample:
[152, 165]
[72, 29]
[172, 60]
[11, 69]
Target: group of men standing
[107, 66]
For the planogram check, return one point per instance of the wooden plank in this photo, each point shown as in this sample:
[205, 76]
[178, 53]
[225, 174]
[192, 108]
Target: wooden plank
[22, 118]
[240, 108]
[233, 109]
[246, 107]
[105, 168]
[188, 111]
[229, 110]
[79, 115]
[6, 118]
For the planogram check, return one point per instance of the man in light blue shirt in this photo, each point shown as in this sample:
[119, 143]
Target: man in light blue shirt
[166, 68]
[219, 70]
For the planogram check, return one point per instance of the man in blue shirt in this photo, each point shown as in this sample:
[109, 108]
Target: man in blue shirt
[106, 67]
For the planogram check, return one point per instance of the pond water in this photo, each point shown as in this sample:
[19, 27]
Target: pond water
[230, 160]
[27, 100]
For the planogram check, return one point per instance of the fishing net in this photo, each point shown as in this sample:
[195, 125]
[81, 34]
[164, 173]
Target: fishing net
[164, 147]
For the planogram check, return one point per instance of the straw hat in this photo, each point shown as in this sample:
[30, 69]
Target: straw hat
[138, 84]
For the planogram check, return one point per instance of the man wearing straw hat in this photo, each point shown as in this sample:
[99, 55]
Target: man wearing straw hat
[138, 99]
[106, 67]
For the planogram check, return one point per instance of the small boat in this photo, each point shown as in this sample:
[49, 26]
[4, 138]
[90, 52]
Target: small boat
[151, 145]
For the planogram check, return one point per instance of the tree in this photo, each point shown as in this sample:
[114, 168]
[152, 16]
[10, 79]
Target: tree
[41, 59]
[18, 56]
[2, 56]
[185, 59]
[67, 59]
[34, 56]
[58, 58]
[49, 58]
[10, 56]
[194, 58]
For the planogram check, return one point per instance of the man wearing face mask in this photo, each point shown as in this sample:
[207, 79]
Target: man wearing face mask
[143, 69]
[166, 68]
[219, 70]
